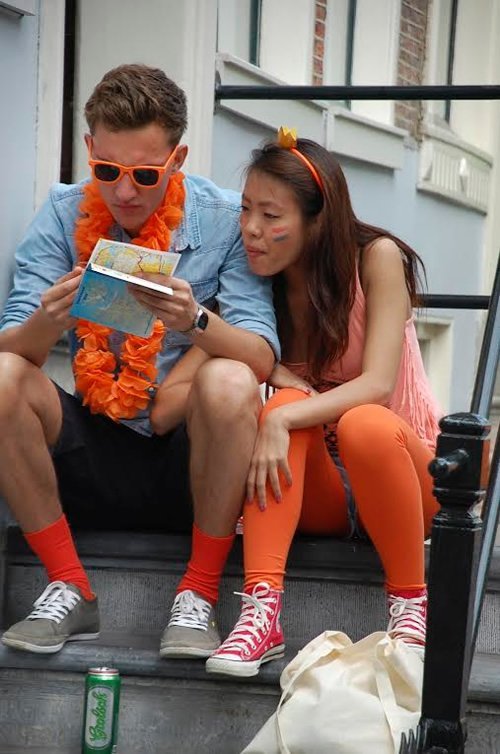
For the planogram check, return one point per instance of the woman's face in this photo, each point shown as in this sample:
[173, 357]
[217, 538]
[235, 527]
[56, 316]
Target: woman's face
[272, 225]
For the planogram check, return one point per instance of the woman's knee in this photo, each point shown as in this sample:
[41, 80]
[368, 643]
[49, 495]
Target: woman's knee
[366, 417]
[369, 428]
[282, 398]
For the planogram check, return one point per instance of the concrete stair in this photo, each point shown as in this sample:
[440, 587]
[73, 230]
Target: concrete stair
[174, 706]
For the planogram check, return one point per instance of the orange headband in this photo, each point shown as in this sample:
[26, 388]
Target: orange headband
[287, 138]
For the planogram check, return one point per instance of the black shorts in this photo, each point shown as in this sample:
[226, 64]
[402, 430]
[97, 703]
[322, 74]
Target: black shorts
[111, 477]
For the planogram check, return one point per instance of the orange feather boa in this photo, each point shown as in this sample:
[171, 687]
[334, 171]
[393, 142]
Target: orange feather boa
[120, 391]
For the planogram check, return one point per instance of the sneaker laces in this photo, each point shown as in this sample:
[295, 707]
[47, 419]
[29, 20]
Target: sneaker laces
[55, 603]
[408, 617]
[190, 611]
[256, 614]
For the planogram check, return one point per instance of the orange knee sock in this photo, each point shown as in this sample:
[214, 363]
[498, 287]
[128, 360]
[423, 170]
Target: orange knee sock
[55, 547]
[208, 558]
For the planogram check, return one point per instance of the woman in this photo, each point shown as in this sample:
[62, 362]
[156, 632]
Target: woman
[352, 454]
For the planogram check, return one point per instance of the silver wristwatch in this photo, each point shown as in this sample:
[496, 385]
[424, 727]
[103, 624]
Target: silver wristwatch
[200, 322]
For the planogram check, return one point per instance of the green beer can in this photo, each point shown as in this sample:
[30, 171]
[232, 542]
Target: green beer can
[100, 715]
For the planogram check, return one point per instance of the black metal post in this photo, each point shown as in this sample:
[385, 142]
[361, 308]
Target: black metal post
[460, 477]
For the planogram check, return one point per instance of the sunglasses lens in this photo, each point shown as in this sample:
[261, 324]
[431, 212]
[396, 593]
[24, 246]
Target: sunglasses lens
[106, 173]
[146, 177]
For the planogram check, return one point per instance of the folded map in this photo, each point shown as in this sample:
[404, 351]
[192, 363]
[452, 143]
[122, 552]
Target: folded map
[104, 296]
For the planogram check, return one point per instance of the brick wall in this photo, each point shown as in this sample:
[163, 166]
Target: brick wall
[319, 41]
[411, 60]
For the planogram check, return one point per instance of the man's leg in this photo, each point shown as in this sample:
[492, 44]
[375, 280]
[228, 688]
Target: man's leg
[30, 421]
[223, 411]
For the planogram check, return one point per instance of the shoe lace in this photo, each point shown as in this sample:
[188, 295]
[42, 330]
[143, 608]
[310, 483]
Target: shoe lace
[190, 611]
[255, 619]
[55, 602]
[407, 616]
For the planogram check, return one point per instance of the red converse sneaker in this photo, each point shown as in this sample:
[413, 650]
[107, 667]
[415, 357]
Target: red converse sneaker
[256, 638]
[408, 617]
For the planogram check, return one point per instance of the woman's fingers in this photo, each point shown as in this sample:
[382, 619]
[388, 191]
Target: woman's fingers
[251, 483]
[260, 484]
[285, 470]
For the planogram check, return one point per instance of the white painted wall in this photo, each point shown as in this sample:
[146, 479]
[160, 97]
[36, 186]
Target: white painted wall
[477, 62]
[178, 37]
[50, 97]
[18, 93]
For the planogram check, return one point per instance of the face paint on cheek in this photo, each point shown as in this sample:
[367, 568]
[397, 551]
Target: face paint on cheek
[280, 234]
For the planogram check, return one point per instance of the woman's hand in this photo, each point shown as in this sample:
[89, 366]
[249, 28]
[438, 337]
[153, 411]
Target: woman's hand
[56, 301]
[270, 457]
[281, 377]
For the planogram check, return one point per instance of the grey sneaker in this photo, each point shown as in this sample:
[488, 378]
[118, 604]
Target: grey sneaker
[192, 630]
[61, 614]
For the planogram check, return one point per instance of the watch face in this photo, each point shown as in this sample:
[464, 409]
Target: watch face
[202, 321]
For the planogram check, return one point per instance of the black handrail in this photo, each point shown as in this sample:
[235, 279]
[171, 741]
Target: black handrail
[488, 358]
[491, 512]
[481, 401]
[459, 484]
[453, 301]
[341, 93]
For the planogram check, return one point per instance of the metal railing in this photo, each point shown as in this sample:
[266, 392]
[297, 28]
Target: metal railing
[460, 551]
[342, 93]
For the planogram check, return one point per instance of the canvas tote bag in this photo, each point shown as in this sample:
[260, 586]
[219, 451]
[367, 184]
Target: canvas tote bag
[344, 698]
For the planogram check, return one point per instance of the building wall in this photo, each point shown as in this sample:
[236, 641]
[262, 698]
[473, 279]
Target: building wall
[18, 52]
[411, 60]
[177, 37]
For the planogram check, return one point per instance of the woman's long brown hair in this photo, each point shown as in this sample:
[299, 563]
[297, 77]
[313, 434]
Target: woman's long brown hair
[335, 238]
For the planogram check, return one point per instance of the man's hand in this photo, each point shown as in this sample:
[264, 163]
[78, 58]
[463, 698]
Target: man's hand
[177, 311]
[57, 300]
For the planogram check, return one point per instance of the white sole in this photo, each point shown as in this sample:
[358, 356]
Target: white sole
[242, 669]
[37, 649]
[186, 653]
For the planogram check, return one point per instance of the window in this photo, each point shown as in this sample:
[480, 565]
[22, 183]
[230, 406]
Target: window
[362, 40]
[339, 49]
[238, 28]
[442, 51]
[274, 35]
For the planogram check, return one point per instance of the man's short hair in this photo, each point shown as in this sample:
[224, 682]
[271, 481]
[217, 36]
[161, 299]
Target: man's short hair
[131, 96]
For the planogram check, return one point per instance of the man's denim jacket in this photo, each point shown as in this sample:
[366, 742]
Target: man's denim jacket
[213, 261]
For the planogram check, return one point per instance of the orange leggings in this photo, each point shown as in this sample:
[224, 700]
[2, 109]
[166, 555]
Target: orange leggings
[386, 464]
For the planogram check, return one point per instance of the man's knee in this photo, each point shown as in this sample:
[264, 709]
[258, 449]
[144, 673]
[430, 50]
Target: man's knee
[24, 385]
[224, 388]
[14, 371]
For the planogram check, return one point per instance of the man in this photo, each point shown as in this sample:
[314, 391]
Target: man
[95, 456]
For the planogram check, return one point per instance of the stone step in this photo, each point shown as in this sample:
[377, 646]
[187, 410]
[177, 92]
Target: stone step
[331, 584]
[136, 576]
[171, 706]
